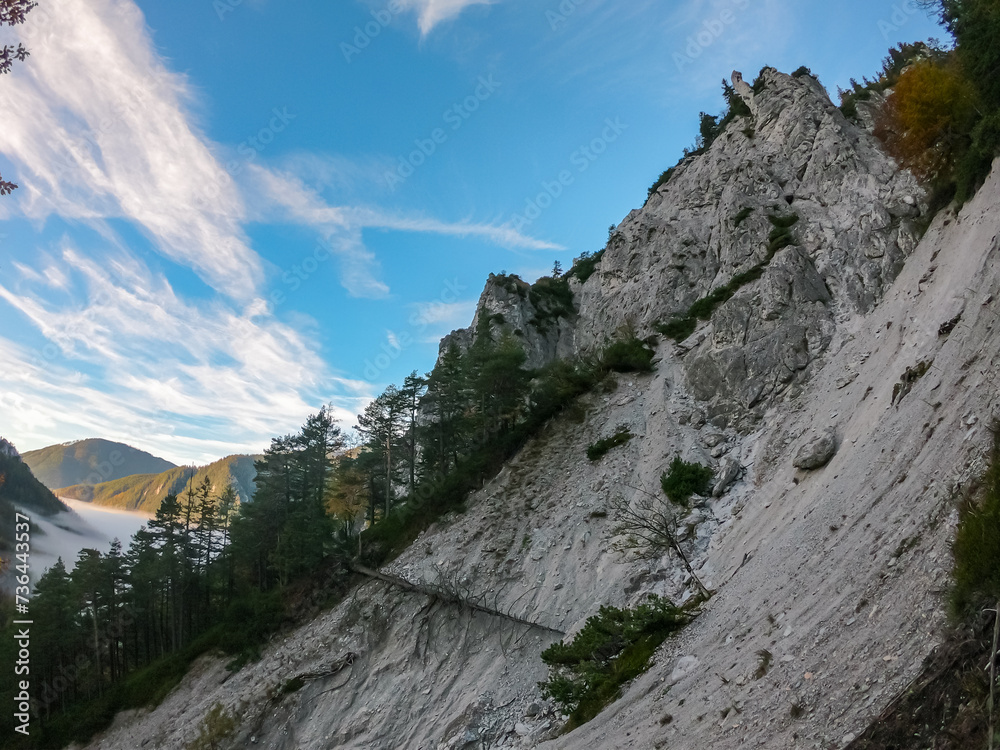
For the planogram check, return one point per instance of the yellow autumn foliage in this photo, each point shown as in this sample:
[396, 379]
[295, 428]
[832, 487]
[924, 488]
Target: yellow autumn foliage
[927, 118]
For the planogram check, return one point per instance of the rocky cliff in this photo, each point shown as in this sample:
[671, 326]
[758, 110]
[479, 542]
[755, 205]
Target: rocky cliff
[796, 159]
[842, 390]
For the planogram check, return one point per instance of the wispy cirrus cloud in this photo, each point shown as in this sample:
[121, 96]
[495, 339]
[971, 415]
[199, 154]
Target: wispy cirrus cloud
[133, 360]
[100, 340]
[432, 12]
[101, 130]
[343, 227]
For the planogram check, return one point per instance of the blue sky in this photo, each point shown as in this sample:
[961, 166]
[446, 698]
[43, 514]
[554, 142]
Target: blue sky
[234, 211]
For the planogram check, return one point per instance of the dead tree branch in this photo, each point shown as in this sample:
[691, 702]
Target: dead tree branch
[442, 594]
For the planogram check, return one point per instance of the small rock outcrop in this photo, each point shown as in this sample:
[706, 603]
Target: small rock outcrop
[7, 449]
[543, 322]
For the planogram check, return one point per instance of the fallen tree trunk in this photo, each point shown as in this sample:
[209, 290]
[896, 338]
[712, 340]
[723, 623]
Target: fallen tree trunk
[441, 594]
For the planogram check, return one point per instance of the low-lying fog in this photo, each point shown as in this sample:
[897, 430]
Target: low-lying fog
[84, 526]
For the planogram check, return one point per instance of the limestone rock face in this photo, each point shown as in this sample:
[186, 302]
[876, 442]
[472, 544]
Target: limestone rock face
[798, 155]
[817, 451]
[795, 156]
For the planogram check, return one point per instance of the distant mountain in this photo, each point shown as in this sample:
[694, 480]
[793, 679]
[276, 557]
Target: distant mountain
[91, 461]
[18, 486]
[145, 491]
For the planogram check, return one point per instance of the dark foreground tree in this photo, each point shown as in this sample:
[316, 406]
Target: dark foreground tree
[12, 13]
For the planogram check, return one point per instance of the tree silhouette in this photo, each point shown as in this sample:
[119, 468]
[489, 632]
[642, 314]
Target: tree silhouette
[12, 13]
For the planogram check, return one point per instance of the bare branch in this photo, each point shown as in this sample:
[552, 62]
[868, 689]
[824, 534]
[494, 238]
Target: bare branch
[649, 526]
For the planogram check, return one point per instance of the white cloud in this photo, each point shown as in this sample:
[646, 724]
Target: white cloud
[434, 320]
[432, 12]
[98, 131]
[343, 226]
[132, 361]
[454, 314]
[98, 128]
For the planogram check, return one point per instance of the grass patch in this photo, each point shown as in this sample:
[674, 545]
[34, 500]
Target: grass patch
[614, 647]
[683, 479]
[598, 449]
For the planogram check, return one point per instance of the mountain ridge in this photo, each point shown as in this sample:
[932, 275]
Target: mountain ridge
[91, 461]
[145, 492]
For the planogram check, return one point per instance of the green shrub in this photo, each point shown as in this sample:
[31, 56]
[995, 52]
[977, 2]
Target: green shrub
[703, 308]
[511, 283]
[585, 265]
[683, 479]
[781, 236]
[215, 728]
[742, 216]
[737, 107]
[802, 71]
[678, 329]
[628, 354]
[784, 222]
[977, 544]
[742, 279]
[552, 299]
[615, 646]
[663, 179]
[759, 84]
[598, 449]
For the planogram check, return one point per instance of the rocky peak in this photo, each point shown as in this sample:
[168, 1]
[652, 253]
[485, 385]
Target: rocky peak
[542, 315]
[7, 448]
[793, 214]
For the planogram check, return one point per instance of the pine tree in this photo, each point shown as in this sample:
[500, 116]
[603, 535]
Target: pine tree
[167, 528]
[413, 390]
[284, 530]
[381, 428]
[447, 405]
[56, 636]
[90, 593]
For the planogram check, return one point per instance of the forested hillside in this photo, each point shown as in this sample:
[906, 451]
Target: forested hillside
[145, 492]
[19, 487]
[90, 461]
